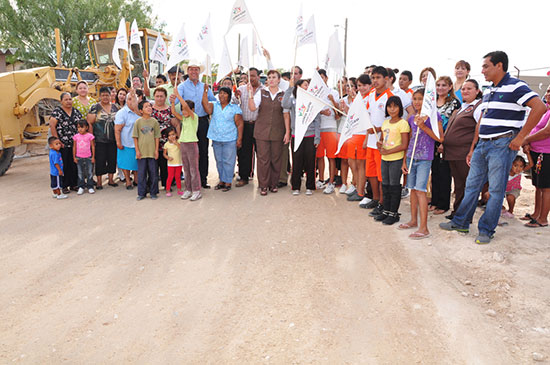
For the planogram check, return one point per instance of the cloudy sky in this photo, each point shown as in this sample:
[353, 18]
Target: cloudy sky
[401, 34]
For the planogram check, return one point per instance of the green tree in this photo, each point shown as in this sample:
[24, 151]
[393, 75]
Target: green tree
[29, 26]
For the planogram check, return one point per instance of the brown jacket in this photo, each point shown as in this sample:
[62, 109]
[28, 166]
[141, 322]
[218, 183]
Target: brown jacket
[460, 134]
[270, 124]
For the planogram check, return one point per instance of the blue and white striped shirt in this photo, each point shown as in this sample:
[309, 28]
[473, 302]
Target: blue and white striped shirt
[504, 107]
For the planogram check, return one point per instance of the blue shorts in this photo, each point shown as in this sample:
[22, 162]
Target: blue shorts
[56, 182]
[417, 179]
[126, 159]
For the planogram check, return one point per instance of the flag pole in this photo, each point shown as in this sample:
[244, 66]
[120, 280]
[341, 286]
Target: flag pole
[177, 72]
[327, 104]
[317, 52]
[414, 148]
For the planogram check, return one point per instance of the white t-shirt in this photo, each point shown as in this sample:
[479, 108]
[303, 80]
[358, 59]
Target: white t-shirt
[329, 121]
[406, 100]
[376, 106]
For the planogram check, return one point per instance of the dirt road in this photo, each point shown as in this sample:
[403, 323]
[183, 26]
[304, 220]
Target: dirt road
[239, 278]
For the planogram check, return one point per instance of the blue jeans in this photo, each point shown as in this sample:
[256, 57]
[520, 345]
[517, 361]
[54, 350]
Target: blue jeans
[226, 155]
[491, 162]
[85, 173]
[418, 177]
[148, 172]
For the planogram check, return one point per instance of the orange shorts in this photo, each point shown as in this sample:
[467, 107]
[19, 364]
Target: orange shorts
[373, 165]
[355, 147]
[328, 145]
[344, 150]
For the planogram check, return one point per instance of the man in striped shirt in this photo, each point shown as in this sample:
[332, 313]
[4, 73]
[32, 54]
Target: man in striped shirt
[499, 135]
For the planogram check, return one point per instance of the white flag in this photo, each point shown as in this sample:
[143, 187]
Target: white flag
[134, 34]
[160, 51]
[243, 56]
[255, 45]
[225, 66]
[307, 108]
[300, 22]
[335, 58]
[357, 121]
[179, 49]
[318, 87]
[121, 42]
[308, 33]
[429, 104]
[239, 14]
[205, 38]
[208, 68]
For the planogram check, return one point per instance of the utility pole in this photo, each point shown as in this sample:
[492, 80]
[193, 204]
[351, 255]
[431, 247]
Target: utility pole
[345, 45]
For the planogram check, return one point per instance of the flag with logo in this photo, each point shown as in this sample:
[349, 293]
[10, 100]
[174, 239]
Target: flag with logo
[317, 86]
[308, 107]
[121, 42]
[243, 55]
[308, 33]
[134, 37]
[239, 14]
[357, 120]
[300, 22]
[179, 49]
[225, 66]
[429, 104]
[205, 38]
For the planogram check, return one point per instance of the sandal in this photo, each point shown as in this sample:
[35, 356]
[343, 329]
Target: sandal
[533, 223]
[219, 186]
[419, 235]
[526, 217]
[406, 226]
[439, 211]
[263, 191]
[274, 189]
[114, 185]
[99, 187]
[226, 188]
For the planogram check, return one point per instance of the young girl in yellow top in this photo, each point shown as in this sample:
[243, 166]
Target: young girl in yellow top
[172, 154]
[394, 141]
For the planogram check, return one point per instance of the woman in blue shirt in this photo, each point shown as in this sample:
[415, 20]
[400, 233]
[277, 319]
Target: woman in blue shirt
[226, 132]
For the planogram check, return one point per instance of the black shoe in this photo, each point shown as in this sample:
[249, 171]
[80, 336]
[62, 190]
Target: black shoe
[66, 191]
[377, 211]
[450, 216]
[205, 186]
[391, 219]
[282, 184]
[372, 204]
[337, 180]
[381, 217]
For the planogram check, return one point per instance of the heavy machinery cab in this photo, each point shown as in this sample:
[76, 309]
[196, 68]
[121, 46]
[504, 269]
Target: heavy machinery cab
[100, 46]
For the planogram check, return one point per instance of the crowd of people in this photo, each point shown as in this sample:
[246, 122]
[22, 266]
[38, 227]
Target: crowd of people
[164, 133]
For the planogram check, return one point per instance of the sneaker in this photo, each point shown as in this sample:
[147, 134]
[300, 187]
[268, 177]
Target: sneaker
[54, 195]
[329, 189]
[91, 191]
[450, 226]
[350, 190]
[309, 192]
[295, 192]
[196, 196]
[186, 195]
[168, 194]
[80, 191]
[354, 198]
[342, 189]
[483, 239]
[391, 219]
[154, 197]
[506, 214]
[139, 197]
[404, 193]
[61, 196]
[381, 216]
[379, 209]
[180, 192]
[364, 202]
[372, 204]
[320, 184]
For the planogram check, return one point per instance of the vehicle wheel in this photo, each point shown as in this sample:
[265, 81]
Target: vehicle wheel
[6, 157]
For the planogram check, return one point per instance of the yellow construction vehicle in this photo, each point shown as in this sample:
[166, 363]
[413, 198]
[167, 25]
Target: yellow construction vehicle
[27, 97]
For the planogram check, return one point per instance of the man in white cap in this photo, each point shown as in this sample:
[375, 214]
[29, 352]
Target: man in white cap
[192, 89]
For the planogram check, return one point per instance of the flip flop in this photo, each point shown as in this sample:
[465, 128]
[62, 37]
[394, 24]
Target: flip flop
[419, 236]
[405, 226]
[439, 211]
[526, 217]
[535, 224]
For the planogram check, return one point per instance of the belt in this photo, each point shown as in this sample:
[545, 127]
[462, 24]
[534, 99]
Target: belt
[250, 121]
[505, 135]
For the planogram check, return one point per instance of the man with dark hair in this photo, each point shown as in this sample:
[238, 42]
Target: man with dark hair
[245, 154]
[160, 80]
[405, 81]
[136, 82]
[499, 135]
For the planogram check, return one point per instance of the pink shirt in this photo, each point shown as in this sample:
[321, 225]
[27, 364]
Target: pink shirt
[542, 146]
[83, 144]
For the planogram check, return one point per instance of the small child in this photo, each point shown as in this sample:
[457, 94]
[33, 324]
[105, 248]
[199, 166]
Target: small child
[188, 145]
[513, 187]
[172, 154]
[417, 180]
[146, 136]
[392, 145]
[84, 157]
[56, 168]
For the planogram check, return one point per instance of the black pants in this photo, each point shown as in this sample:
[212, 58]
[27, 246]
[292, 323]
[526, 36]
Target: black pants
[105, 158]
[163, 167]
[202, 132]
[245, 154]
[147, 176]
[70, 171]
[441, 183]
[392, 197]
[303, 160]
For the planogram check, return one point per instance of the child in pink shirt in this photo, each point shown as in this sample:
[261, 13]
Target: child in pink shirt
[84, 157]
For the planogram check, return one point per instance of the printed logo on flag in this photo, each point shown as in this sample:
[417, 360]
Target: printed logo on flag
[302, 110]
[238, 14]
[203, 33]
